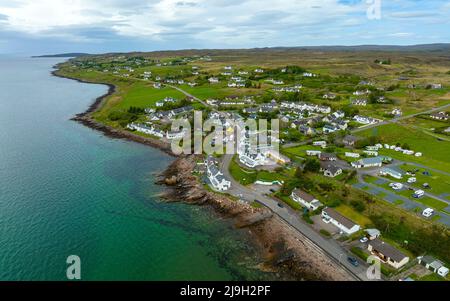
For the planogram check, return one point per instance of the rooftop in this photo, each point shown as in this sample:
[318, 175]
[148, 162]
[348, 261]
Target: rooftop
[387, 250]
[339, 217]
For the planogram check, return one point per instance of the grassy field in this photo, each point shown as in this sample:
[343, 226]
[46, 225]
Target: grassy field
[435, 152]
[439, 182]
[355, 216]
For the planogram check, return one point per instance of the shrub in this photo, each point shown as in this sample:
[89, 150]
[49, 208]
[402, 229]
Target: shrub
[325, 233]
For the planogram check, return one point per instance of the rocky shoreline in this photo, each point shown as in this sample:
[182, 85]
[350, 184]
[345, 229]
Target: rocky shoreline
[283, 249]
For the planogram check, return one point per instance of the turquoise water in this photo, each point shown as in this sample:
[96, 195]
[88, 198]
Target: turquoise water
[68, 190]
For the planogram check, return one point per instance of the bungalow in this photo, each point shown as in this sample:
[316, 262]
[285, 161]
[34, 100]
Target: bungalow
[391, 172]
[349, 140]
[364, 119]
[433, 265]
[306, 199]
[346, 225]
[328, 129]
[368, 162]
[213, 80]
[387, 253]
[439, 116]
[327, 157]
[330, 170]
[259, 70]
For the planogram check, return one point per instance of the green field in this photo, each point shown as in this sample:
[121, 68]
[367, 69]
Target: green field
[436, 154]
[439, 182]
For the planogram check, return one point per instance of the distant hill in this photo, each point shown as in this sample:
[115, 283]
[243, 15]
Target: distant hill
[61, 55]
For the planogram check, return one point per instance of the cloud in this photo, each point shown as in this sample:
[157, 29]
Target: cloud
[215, 23]
[401, 34]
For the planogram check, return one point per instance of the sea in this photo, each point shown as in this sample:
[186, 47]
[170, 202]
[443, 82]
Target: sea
[67, 190]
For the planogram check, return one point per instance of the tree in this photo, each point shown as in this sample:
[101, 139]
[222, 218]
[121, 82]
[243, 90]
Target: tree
[312, 165]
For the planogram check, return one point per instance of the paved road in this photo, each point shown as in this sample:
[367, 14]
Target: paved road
[329, 246]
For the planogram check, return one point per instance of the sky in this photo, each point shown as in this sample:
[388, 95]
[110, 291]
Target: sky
[60, 26]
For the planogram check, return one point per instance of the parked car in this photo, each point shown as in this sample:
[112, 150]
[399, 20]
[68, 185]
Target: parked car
[363, 239]
[428, 212]
[353, 261]
[280, 205]
[396, 186]
[426, 186]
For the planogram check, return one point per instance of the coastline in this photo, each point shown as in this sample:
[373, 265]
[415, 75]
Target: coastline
[282, 249]
[85, 118]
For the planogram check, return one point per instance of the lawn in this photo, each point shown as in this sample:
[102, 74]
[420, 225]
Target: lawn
[244, 176]
[355, 216]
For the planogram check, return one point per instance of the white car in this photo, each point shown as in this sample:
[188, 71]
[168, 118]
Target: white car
[363, 239]
[412, 180]
[396, 186]
[428, 212]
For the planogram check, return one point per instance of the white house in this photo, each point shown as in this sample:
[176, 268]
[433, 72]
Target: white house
[391, 172]
[216, 177]
[213, 80]
[330, 170]
[368, 162]
[346, 225]
[306, 199]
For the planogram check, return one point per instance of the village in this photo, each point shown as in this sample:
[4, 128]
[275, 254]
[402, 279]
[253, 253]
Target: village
[332, 158]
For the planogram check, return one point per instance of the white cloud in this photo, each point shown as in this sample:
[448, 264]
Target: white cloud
[233, 23]
[158, 18]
